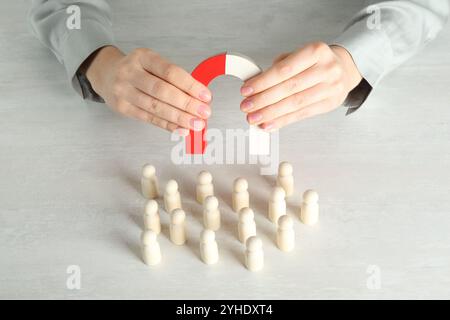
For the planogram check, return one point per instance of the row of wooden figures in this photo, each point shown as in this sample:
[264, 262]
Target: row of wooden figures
[240, 195]
[309, 214]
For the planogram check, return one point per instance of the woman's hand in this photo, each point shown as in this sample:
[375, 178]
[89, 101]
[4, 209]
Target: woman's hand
[312, 80]
[144, 86]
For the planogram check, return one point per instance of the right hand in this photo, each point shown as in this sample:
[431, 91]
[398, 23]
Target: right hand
[144, 86]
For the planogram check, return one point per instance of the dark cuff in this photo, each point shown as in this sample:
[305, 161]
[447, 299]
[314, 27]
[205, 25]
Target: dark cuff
[357, 96]
[78, 46]
[87, 91]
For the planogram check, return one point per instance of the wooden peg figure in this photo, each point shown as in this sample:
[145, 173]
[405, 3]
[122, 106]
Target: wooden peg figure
[240, 196]
[178, 227]
[277, 204]
[151, 251]
[205, 186]
[246, 224]
[149, 182]
[285, 178]
[211, 213]
[254, 255]
[208, 247]
[309, 212]
[151, 217]
[172, 198]
[285, 233]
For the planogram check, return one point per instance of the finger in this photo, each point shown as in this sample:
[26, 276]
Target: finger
[175, 75]
[162, 110]
[304, 80]
[281, 71]
[164, 124]
[170, 94]
[293, 103]
[314, 109]
[142, 115]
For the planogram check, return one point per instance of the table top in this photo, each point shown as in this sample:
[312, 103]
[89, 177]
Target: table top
[70, 170]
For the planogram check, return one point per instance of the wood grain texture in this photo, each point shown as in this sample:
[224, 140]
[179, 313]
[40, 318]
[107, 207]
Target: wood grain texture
[69, 171]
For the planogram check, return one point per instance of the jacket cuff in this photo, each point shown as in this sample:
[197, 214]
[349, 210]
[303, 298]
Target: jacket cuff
[357, 96]
[371, 51]
[78, 46]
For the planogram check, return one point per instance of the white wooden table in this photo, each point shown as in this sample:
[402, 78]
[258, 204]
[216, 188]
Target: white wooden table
[69, 171]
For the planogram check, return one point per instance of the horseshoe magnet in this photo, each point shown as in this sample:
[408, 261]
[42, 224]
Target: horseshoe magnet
[231, 64]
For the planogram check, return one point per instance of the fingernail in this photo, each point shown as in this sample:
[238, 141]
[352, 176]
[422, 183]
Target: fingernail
[268, 126]
[205, 96]
[246, 91]
[254, 117]
[204, 111]
[197, 124]
[246, 105]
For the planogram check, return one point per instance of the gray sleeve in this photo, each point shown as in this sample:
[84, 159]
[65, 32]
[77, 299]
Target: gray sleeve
[52, 22]
[387, 33]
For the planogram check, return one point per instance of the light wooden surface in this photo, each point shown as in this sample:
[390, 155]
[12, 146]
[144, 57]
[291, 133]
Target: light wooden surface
[69, 171]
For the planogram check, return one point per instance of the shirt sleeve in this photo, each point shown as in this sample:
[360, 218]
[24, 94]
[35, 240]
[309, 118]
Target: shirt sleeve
[55, 24]
[384, 35]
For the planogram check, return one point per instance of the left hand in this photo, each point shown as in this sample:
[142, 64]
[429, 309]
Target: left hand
[312, 80]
